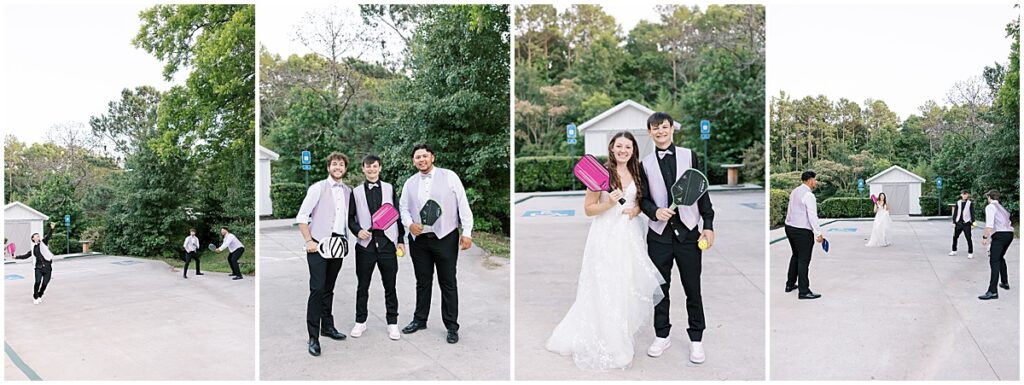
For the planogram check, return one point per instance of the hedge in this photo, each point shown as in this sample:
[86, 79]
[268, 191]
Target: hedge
[846, 208]
[545, 173]
[929, 206]
[287, 197]
[779, 203]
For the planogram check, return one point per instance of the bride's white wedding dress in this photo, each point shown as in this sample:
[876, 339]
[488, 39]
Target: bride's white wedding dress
[880, 229]
[617, 289]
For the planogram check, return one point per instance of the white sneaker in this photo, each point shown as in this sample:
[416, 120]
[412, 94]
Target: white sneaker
[393, 332]
[970, 256]
[658, 346]
[952, 253]
[40, 299]
[696, 352]
[358, 330]
[35, 301]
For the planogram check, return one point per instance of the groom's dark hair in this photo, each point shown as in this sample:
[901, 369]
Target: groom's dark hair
[994, 194]
[657, 118]
[369, 159]
[807, 175]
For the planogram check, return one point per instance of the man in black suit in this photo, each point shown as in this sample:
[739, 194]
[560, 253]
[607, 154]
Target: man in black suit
[963, 221]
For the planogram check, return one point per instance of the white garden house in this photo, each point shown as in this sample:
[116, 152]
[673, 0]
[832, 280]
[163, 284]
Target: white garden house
[626, 116]
[266, 205]
[902, 189]
[20, 222]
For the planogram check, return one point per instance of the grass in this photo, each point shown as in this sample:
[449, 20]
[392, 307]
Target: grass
[216, 262]
[495, 244]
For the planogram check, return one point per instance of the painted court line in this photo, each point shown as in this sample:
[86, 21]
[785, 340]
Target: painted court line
[31, 374]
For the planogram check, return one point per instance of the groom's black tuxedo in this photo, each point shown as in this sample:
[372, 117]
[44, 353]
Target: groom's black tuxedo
[962, 223]
[665, 248]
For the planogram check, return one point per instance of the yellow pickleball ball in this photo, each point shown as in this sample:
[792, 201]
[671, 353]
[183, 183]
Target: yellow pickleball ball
[400, 253]
[702, 244]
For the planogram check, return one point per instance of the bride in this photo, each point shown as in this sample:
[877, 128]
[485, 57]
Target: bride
[880, 228]
[618, 284]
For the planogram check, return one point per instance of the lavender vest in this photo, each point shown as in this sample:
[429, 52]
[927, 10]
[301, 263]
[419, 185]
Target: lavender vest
[1001, 222]
[45, 251]
[966, 212]
[689, 215]
[441, 192]
[796, 214]
[387, 192]
[322, 217]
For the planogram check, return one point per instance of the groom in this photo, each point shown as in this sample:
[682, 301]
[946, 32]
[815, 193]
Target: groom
[673, 234]
[963, 217]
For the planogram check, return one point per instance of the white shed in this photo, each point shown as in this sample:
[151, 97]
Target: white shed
[266, 156]
[626, 116]
[20, 222]
[902, 189]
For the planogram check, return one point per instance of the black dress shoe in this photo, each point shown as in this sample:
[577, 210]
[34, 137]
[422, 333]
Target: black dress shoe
[184, 276]
[989, 295]
[453, 336]
[790, 288]
[314, 347]
[413, 327]
[237, 277]
[810, 295]
[1005, 286]
[333, 333]
[200, 274]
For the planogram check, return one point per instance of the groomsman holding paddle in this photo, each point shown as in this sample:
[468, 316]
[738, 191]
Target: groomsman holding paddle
[802, 230]
[434, 204]
[376, 247]
[322, 215]
[998, 232]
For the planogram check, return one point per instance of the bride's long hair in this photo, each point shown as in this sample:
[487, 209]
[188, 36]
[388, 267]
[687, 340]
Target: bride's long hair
[633, 164]
[884, 202]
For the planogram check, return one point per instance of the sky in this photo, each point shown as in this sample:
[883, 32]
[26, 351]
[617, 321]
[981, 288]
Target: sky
[65, 63]
[278, 22]
[903, 55]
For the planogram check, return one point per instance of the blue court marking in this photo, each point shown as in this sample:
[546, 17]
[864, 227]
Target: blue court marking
[126, 262]
[12, 277]
[843, 230]
[754, 205]
[549, 213]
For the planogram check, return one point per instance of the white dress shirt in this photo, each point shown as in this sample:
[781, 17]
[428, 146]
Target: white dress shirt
[191, 243]
[313, 197]
[811, 203]
[465, 215]
[231, 242]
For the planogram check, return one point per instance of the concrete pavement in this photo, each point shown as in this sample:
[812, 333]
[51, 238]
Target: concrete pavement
[481, 354]
[549, 249]
[905, 312]
[121, 318]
